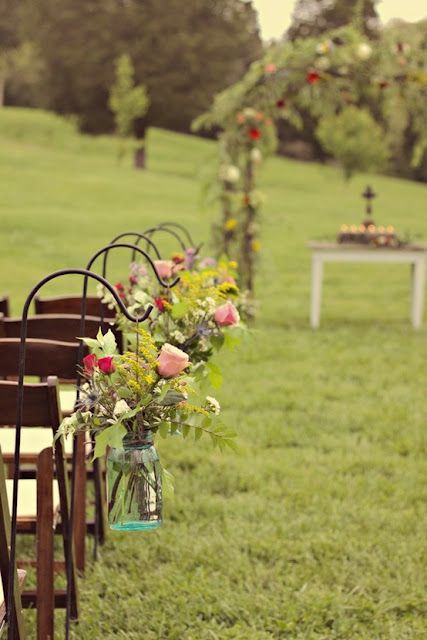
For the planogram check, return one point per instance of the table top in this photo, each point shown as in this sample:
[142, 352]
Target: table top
[316, 245]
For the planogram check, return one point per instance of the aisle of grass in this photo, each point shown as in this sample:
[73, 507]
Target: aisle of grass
[317, 531]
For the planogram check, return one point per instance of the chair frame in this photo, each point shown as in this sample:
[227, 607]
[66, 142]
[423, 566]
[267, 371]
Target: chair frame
[71, 305]
[41, 408]
[60, 327]
[4, 306]
[44, 358]
[5, 560]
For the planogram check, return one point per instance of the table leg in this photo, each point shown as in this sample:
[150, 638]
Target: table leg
[316, 291]
[418, 290]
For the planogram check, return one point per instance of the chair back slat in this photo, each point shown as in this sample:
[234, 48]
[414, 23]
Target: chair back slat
[5, 558]
[38, 410]
[43, 358]
[4, 306]
[62, 327]
[72, 305]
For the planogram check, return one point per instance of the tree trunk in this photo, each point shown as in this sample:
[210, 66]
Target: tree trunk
[139, 158]
[2, 89]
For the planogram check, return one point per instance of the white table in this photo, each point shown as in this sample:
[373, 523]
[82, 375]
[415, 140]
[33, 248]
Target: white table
[414, 254]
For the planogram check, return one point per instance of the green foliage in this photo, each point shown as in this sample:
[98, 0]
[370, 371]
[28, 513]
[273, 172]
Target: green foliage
[184, 52]
[317, 530]
[355, 140]
[127, 102]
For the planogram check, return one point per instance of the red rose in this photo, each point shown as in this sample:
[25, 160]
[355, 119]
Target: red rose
[160, 304]
[312, 77]
[119, 287]
[89, 364]
[106, 365]
[280, 104]
[254, 133]
[178, 258]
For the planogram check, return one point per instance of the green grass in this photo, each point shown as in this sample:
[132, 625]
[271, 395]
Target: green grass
[318, 530]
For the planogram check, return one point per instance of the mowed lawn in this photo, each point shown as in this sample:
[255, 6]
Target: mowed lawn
[317, 530]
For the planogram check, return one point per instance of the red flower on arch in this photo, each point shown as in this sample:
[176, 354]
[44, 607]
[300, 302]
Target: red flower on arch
[254, 133]
[313, 77]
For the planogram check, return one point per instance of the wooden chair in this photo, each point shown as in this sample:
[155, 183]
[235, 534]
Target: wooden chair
[5, 563]
[4, 306]
[51, 497]
[72, 305]
[44, 358]
[63, 327]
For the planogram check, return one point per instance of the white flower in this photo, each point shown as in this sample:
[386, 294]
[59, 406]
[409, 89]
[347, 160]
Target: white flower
[363, 51]
[121, 407]
[213, 405]
[249, 112]
[229, 173]
[324, 47]
[178, 336]
[323, 63]
[256, 156]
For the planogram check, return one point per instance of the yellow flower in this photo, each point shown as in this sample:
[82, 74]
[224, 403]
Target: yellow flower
[233, 264]
[228, 288]
[256, 246]
[230, 224]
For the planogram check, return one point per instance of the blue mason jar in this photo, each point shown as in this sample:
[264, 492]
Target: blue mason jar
[134, 485]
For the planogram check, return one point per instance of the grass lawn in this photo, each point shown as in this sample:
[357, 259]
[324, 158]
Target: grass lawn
[318, 529]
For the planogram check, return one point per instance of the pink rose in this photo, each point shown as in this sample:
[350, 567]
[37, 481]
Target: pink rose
[89, 364]
[106, 365]
[227, 315]
[164, 268]
[171, 361]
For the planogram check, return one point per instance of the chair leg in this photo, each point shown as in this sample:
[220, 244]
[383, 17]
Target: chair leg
[44, 543]
[79, 525]
[67, 534]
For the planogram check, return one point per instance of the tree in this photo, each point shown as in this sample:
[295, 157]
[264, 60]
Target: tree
[9, 42]
[314, 17]
[184, 52]
[128, 102]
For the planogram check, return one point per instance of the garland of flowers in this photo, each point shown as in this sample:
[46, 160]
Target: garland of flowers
[322, 76]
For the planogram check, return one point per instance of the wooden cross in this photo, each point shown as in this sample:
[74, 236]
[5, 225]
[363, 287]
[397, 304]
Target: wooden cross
[369, 194]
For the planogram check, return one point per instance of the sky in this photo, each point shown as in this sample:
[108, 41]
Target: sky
[275, 15]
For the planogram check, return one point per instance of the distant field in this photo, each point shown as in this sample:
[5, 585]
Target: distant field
[318, 530]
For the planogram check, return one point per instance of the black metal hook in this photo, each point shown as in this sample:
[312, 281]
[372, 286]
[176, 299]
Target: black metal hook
[106, 250]
[138, 236]
[181, 227]
[159, 227]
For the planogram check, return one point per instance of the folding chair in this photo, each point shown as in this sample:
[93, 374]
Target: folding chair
[4, 306]
[44, 358]
[72, 305]
[41, 409]
[5, 564]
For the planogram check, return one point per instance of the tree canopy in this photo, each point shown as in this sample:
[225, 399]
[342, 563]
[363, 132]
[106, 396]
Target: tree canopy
[184, 52]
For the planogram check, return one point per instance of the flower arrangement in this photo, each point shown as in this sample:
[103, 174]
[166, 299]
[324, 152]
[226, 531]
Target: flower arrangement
[123, 396]
[199, 315]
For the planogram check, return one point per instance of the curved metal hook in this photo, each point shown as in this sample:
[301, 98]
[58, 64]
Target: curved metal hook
[19, 414]
[126, 245]
[138, 236]
[152, 230]
[181, 227]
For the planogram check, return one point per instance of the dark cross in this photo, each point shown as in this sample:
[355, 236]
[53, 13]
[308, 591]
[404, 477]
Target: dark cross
[369, 194]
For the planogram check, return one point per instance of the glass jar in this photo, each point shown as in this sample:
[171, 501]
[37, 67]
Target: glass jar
[134, 485]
